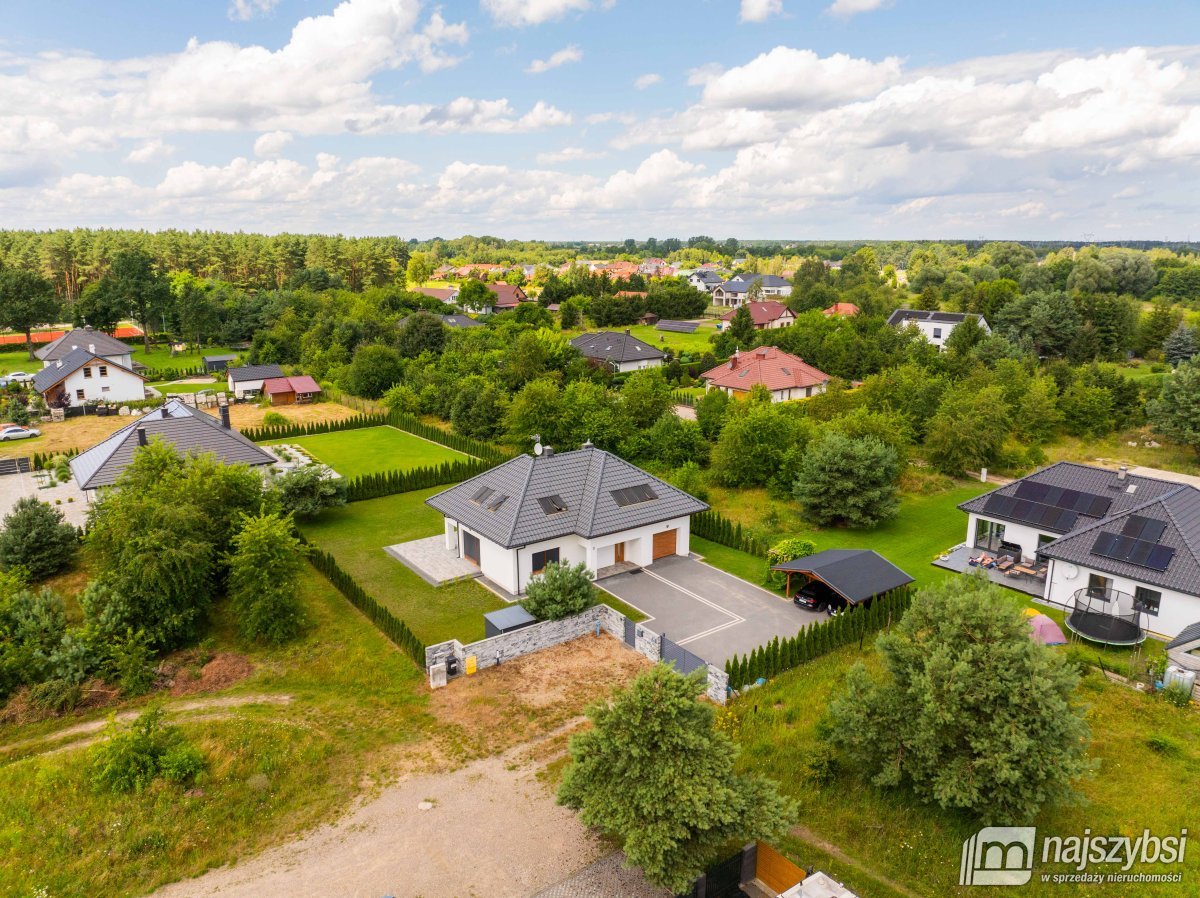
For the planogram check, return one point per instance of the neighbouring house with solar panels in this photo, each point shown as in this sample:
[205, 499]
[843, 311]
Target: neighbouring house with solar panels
[585, 506]
[185, 428]
[935, 326]
[1107, 541]
[621, 352]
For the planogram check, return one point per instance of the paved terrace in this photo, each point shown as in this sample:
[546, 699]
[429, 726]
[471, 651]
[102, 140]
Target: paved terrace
[957, 560]
[430, 560]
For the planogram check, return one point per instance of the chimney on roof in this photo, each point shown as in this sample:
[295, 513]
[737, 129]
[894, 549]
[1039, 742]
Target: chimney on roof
[588, 444]
[58, 363]
[547, 451]
[142, 441]
[92, 348]
[225, 417]
[627, 332]
[733, 361]
[1122, 472]
[88, 328]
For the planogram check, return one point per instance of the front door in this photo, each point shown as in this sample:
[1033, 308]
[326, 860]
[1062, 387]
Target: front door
[618, 553]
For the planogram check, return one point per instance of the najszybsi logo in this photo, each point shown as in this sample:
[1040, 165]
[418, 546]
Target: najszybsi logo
[998, 856]
[1004, 855]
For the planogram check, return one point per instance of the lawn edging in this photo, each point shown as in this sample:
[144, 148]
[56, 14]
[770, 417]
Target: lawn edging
[391, 626]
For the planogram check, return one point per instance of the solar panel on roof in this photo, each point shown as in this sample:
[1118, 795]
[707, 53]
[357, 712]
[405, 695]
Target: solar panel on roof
[1132, 551]
[1144, 528]
[1035, 514]
[632, 495]
[1089, 504]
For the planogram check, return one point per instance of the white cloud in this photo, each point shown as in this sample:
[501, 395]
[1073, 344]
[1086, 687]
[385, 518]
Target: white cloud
[517, 13]
[271, 144]
[759, 10]
[847, 8]
[567, 154]
[1028, 209]
[150, 151]
[568, 54]
[245, 10]
[786, 77]
[648, 80]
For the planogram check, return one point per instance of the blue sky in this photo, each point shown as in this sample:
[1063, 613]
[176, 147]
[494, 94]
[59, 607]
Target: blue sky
[599, 119]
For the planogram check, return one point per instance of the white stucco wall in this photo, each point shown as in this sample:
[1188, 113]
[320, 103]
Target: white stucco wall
[1024, 536]
[511, 569]
[1176, 610]
[241, 387]
[122, 386]
[638, 365]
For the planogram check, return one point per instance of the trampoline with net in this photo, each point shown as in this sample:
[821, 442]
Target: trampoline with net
[1106, 616]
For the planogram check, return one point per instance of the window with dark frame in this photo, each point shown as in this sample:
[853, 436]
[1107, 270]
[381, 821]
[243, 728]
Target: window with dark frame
[1147, 600]
[543, 558]
[87, 373]
[104, 370]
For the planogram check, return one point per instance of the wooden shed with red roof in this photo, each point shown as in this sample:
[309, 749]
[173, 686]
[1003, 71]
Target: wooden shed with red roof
[290, 390]
[786, 376]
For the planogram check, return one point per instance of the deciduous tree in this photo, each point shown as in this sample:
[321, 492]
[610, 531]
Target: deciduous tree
[26, 301]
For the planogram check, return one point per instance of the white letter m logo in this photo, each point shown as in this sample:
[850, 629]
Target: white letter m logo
[998, 856]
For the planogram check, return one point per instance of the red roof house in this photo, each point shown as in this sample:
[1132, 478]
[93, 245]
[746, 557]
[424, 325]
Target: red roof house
[766, 314]
[507, 296]
[290, 390]
[785, 375]
[844, 309]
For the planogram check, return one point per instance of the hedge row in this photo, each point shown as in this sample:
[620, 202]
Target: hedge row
[717, 528]
[681, 398]
[392, 627]
[41, 460]
[157, 374]
[817, 640]
[409, 423]
[373, 486]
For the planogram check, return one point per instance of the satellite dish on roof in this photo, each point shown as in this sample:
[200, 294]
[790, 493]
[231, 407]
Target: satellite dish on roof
[538, 448]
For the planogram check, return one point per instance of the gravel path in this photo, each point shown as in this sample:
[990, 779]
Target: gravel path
[490, 829]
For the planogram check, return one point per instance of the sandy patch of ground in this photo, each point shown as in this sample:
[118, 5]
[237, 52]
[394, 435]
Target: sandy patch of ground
[247, 414]
[488, 829]
[225, 669]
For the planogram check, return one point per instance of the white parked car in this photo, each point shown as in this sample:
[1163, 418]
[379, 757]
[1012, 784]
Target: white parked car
[17, 432]
[20, 377]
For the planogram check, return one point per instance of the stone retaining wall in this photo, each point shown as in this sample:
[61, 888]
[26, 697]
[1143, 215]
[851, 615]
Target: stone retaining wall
[546, 634]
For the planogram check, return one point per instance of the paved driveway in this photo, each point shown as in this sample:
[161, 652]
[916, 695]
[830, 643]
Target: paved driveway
[715, 614]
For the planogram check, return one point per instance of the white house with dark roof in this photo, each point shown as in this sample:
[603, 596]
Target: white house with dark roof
[736, 290]
[81, 376]
[586, 506]
[936, 327]
[185, 428]
[95, 342]
[620, 351]
[247, 381]
[1131, 543]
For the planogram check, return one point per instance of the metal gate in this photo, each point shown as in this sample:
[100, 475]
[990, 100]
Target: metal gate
[685, 661]
[630, 633]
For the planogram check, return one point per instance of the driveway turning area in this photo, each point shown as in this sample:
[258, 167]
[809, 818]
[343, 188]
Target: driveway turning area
[713, 614]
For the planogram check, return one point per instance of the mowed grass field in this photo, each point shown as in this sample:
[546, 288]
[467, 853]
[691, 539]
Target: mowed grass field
[926, 526]
[17, 359]
[372, 450]
[694, 344]
[356, 535]
[1148, 752]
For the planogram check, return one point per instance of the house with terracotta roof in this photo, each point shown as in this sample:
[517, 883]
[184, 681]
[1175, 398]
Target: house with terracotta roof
[786, 376]
[448, 295]
[766, 315]
[292, 389]
[842, 310]
[508, 297]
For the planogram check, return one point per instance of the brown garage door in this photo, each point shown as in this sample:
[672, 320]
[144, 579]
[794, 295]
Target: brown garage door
[664, 544]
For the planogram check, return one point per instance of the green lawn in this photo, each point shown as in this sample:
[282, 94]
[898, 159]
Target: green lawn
[695, 343]
[273, 770]
[165, 387]
[356, 535]
[160, 357]
[371, 450]
[1148, 752]
[927, 525]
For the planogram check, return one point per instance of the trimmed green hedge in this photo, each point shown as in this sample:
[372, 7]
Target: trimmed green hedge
[408, 423]
[155, 374]
[391, 626]
[387, 483]
[818, 639]
[40, 460]
[715, 527]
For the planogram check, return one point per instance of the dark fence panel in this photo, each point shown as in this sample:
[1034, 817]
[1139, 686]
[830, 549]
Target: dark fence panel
[685, 661]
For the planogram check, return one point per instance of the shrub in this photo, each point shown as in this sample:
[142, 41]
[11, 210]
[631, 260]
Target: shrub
[263, 574]
[130, 757]
[56, 696]
[307, 491]
[786, 550]
[560, 591]
[37, 539]
[274, 419]
[1177, 695]
[129, 663]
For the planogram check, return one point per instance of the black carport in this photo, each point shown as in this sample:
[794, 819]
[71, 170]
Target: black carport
[854, 574]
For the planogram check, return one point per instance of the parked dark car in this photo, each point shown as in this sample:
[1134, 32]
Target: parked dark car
[816, 596]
